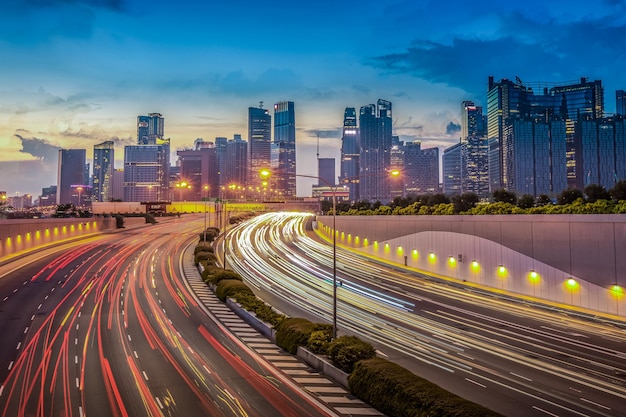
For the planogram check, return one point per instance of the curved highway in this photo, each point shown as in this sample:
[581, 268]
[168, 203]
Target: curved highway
[512, 357]
[107, 327]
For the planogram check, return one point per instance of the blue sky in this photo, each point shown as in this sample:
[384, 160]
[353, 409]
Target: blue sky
[77, 72]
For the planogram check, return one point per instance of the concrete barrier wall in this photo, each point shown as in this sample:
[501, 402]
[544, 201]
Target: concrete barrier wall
[19, 235]
[572, 259]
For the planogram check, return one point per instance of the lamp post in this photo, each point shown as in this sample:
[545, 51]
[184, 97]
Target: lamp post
[206, 189]
[79, 189]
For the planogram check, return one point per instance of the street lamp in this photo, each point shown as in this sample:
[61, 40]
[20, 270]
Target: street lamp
[206, 189]
[79, 189]
[265, 173]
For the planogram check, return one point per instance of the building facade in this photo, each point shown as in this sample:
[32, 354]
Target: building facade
[375, 136]
[103, 167]
[259, 148]
[350, 152]
[421, 169]
[71, 174]
[284, 149]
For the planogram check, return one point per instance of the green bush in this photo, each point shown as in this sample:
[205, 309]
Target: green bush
[209, 257]
[294, 332]
[119, 221]
[319, 340]
[202, 247]
[231, 288]
[222, 274]
[262, 310]
[395, 391]
[346, 351]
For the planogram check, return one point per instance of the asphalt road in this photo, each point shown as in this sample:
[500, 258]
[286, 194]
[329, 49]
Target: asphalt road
[106, 327]
[509, 355]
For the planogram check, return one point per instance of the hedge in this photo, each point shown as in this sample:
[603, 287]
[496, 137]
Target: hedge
[346, 351]
[296, 331]
[230, 288]
[395, 391]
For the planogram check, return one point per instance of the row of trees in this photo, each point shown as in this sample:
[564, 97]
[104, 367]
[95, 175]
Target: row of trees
[592, 199]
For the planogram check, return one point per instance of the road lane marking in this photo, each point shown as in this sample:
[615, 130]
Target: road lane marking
[77, 383]
[145, 375]
[76, 359]
[159, 402]
[594, 403]
[10, 365]
[135, 352]
[18, 345]
[544, 411]
[129, 338]
[520, 376]
[26, 330]
[474, 382]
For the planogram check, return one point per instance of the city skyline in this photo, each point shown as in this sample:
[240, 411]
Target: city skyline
[81, 71]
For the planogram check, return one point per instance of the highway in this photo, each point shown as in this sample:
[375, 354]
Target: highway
[107, 327]
[512, 357]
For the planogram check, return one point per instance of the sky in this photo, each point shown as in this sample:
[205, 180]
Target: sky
[74, 73]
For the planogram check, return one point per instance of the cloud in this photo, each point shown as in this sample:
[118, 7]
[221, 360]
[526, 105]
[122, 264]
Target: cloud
[453, 128]
[40, 149]
[324, 133]
[537, 51]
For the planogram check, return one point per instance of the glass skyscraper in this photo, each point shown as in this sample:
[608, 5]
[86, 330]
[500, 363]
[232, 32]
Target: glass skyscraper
[259, 147]
[71, 174]
[284, 182]
[150, 128]
[350, 151]
[375, 135]
[103, 167]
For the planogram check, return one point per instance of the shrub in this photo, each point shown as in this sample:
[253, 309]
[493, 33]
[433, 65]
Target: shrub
[209, 270]
[223, 274]
[346, 351]
[294, 332]
[119, 221]
[395, 391]
[262, 310]
[231, 288]
[201, 247]
[319, 340]
[209, 257]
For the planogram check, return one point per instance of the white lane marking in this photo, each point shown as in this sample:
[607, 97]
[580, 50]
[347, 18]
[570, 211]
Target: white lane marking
[474, 382]
[520, 376]
[159, 402]
[135, 352]
[76, 359]
[77, 383]
[145, 375]
[129, 338]
[544, 411]
[18, 345]
[26, 330]
[594, 403]
[10, 365]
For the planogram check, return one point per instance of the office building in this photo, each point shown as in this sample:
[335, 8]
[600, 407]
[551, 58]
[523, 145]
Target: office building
[508, 101]
[451, 169]
[350, 152]
[475, 165]
[284, 150]
[103, 167]
[150, 129]
[259, 148]
[326, 171]
[235, 166]
[146, 172]
[620, 102]
[198, 168]
[601, 150]
[375, 136]
[71, 173]
[421, 169]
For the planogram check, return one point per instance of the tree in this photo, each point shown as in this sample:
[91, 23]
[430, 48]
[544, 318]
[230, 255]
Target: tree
[569, 196]
[504, 196]
[618, 192]
[464, 202]
[434, 199]
[526, 201]
[595, 192]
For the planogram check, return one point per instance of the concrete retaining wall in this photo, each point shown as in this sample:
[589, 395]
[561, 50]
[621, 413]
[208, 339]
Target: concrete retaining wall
[578, 260]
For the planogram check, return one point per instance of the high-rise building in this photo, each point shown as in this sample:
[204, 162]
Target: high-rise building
[620, 102]
[350, 152]
[150, 128]
[508, 101]
[375, 135]
[199, 170]
[146, 172]
[103, 167]
[421, 169]
[452, 169]
[259, 148]
[235, 165]
[284, 149]
[475, 165]
[601, 150]
[326, 171]
[71, 174]
[473, 123]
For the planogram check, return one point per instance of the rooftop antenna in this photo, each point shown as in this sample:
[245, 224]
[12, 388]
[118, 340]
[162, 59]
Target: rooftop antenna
[318, 146]
[261, 104]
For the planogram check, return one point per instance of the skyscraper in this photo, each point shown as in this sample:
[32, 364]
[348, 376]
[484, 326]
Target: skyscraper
[71, 174]
[146, 172]
[103, 167]
[285, 149]
[259, 147]
[350, 151]
[421, 169]
[198, 168]
[508, 101]
[236, 164]
[150, 128]
[620, 102]
[326, 171]
[452, 169]
[375, 135]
